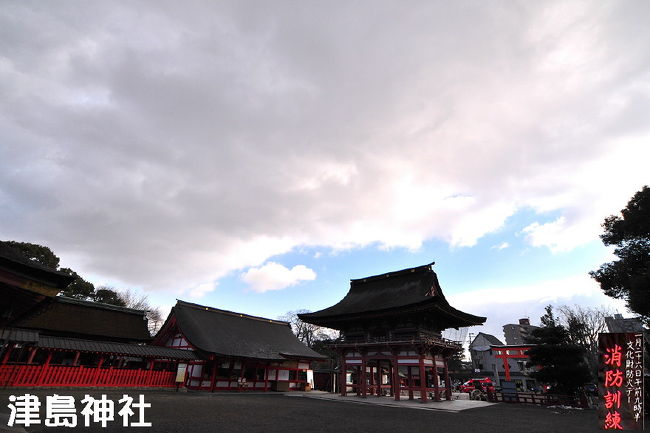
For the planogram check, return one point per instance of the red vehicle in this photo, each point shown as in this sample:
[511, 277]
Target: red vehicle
[486, 384]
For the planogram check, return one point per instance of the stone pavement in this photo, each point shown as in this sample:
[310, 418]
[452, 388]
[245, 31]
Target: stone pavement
[459, 403]
[4, 420]
[203, 412]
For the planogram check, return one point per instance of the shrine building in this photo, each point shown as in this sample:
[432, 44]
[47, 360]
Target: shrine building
[25, 285]
[50, 340]
[391, 335]
[237, 351]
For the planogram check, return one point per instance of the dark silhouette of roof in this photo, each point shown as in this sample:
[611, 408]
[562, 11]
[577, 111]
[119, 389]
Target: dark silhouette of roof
[618, 323]
[112, 347]
[12, 259]
[233, 334]
[490, 338]
[68, 317]
[394, 293]
[18, 335]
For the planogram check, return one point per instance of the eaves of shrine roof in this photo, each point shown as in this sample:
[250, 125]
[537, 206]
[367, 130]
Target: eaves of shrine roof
[405, 291]
[75, 318]
[232, 334]
[13, 261]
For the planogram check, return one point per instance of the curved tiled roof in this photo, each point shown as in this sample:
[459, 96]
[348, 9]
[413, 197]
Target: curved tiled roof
[233, 334]
[407, 290]
[112, 347]
[12, 259]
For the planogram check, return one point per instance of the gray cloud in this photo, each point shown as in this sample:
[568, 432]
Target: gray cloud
[165, 145]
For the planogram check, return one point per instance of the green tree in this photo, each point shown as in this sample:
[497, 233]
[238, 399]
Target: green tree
[35, 252]
[560, 363]
[78, 288]
[629, 277]
[108, 296]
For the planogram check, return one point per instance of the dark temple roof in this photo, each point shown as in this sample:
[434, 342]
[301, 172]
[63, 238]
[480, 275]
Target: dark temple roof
[18, 335]
[139, 350]
[67, 317]
[11, 259]
[394, 293]
[232, 334]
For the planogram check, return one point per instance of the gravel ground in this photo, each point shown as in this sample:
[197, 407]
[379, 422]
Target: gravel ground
[270, 413]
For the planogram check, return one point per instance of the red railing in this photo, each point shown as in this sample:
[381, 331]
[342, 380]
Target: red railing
[40, 375]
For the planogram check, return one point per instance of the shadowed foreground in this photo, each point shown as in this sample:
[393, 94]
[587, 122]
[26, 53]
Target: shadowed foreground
[271, 413]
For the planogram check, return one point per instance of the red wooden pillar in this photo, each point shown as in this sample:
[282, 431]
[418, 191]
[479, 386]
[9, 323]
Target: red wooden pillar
[397, 386]
[214, 375]
[358, 378]
[409, 381]
[391, 376]
[343, 380]
[506, 366]
[436, 379]
[44, 369]
[10, 348]
[378, 379]
[447, 382]
[423, 380]
[98, 370]
[266, 377]
[32, 353]
[364, 378]
[240, 382]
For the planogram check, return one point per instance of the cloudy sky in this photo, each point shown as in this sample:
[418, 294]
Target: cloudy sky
[255, 156]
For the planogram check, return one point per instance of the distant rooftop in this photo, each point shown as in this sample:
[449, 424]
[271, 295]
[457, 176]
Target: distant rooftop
[489, 337]
[620, 324]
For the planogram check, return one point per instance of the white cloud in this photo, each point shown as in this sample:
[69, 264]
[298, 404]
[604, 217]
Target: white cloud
[501, 246]
[549, 234]
[542, 293]
[238, 133]
[503, 305]
[274, 276]
[202, 289]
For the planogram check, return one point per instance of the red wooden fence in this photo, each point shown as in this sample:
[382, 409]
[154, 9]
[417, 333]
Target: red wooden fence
[42, 375]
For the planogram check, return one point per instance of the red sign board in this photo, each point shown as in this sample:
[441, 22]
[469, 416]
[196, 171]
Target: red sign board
[620, 381]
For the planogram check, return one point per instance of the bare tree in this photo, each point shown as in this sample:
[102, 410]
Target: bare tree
[131, 299]
[583, 325]
[307, 332]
